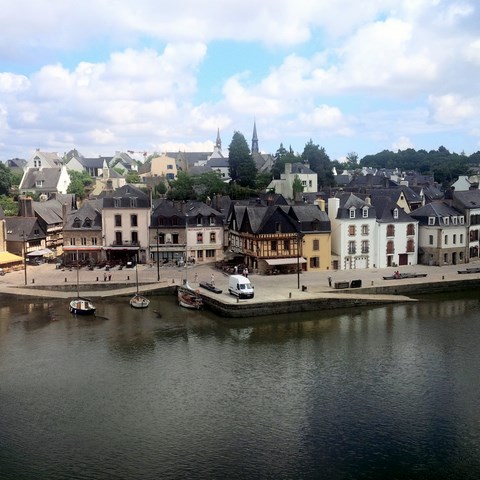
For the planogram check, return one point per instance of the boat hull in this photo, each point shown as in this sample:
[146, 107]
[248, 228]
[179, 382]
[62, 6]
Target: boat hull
[81, 307]
[139, 301]
[189, 298]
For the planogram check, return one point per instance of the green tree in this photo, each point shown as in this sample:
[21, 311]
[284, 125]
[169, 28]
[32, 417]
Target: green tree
[79, 184]
[6, 179]
[211, 184]
[283, 156]
[297, 186]
[9, 205]
[242, 167]
[319, 162]
[262, 181]
[133, 177]
[181, 188]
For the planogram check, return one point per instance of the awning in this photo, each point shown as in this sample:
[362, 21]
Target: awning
[285, 261]
[7, 257]
[40, 253]
[82, 248]
[120, 247]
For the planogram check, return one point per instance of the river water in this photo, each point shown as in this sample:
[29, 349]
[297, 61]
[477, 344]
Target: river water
[384, 393]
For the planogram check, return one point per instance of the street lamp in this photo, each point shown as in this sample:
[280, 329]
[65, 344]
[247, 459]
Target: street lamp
[158, 257]
[299, 238]
[25, 255]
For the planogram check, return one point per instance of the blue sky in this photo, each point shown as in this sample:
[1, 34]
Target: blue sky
[104, 76]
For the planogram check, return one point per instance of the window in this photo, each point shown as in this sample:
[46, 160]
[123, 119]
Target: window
[160, 221]
[461, 239]
[365, 212]
[454, 220]
[365, 229]
[117, 202]
[88, 223]
[430, 239]
[200, 255]
[390, 230]
[431, 220]
[118, 220]
[118, 238]
[390, 247]
[199, 237]
[395, 213]
[133, 202]
[83, 241]
[174, 221]
[133, 220]
[210, 253]
[134, 237]
[169, 166]
[175, 238]
[351, 230]
[352, 213]
[314, 262]
[278, 227]
[212, 237]
[411, 229]
[316, 244]
[445, 258]
[199, 220]
[462, 220]
[39, 183]
[273, 245]
[76, 223]
[446, 220]
[94, 241]
[170, 176]
[410, 246]
[445, 240]
[286, 245]
[352, 247]
[72, 241]
[454, 239]
[365, 246]
[212, 220]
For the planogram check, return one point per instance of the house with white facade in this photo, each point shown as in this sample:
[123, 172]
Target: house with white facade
[284, 185]
[125, 225]
[354, 237]
[468, 202]
[45, 180]
[44, 160]
[442, 235]
[397, 234]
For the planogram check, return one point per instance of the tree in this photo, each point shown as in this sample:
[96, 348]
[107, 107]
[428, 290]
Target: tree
[283, 156]
[79, 183]
[133, 177]
[319, 162]
[297, 186]
[181, 187]
[6, 179]
[351, 161]
[211, 183]
[242, 167]
[9, 205]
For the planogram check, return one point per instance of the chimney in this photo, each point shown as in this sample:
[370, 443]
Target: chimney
[25, 207]
[64, 213]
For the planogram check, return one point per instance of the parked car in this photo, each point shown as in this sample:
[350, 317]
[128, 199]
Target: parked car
[2, 272]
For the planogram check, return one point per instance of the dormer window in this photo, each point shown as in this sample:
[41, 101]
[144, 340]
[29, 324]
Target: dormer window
[88, 223]
[431, 220]
[446, 220]
[39, 183]
[117, 202]
[454, 220]
[364, 212]
[76, 223]
[199, 220]
[133, 202]
[352, 213]
[395, 213]
[212, 220]
[462, 220]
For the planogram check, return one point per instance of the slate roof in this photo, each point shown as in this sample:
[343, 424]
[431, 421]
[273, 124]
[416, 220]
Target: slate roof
[311, 218]
[49, 176]
[438, 210]
[301, 168]
[384, 208]
[167, 210]
[92, 210]
[348, 201]
[123, 195]
[194, 209]
[468, 198]
[16, 226]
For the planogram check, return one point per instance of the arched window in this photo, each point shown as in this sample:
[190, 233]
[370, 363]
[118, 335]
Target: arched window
[390, 247]
[411, 229]
[410, 246]
[390, 230]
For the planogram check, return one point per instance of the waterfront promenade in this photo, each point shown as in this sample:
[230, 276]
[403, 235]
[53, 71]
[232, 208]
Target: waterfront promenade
[45, 281]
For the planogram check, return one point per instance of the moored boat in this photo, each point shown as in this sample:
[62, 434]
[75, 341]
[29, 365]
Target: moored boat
[139, 301]
[82, 306]
[189, 298]
[210, 287]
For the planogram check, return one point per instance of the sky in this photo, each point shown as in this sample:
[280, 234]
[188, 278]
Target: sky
[153, 76]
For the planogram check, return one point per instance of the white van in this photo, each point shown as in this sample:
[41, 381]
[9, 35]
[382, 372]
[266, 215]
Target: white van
[240, 286]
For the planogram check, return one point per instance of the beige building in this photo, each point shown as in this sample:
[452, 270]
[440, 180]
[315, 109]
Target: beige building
[161, 166]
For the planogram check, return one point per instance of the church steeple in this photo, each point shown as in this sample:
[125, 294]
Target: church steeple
[254, 138]
[218, 143]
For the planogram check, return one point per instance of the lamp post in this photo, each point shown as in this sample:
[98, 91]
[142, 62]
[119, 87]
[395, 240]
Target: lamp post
[25, 255]
[299, 237]
[158, 257]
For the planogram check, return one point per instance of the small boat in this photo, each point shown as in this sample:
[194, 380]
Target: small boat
[210, 287]
[470, 270]
[139, 301]
[189, 298]
[399, 276]
[82, 306]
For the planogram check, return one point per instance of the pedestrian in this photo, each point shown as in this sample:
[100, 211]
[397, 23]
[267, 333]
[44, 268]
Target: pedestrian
[212, 279]
[105, 276]
[109, 276]
[245, 272]
[329, 281]
[235, 270]
[196, 277]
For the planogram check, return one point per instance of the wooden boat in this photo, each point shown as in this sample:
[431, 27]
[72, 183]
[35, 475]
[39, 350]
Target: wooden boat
[470, 270]
[210, 287]
[189, 298]
[81, 306]
[399, 276]
[138, 301]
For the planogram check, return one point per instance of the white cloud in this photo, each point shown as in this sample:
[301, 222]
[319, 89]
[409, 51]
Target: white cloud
[402, 143]
[452, 109]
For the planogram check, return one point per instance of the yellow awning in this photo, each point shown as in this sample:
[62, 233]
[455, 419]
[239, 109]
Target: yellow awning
[7, 257]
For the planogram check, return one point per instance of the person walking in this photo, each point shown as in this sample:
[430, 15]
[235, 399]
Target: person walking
[212, 280]
[329, 281]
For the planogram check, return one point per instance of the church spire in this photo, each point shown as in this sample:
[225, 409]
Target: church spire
[254, 138]
[218, 142]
